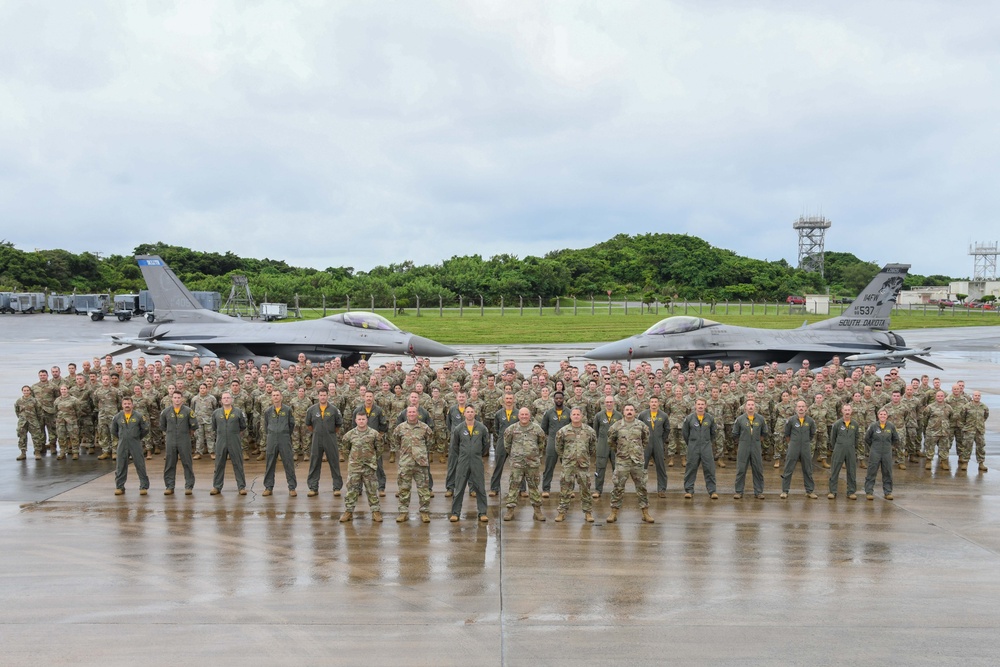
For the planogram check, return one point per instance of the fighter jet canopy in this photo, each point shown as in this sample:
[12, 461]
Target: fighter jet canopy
[679, 324]
[364, 320]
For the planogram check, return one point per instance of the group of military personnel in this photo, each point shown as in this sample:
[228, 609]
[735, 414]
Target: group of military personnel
[585, 420]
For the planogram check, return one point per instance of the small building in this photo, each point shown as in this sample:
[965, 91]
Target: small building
[921, 296]
[974, 289]
[818, 304]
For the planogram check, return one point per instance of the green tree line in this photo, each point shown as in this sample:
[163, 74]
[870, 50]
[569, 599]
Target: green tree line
[661, 267]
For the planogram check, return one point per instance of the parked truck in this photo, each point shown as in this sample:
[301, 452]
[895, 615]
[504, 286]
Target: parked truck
[27, 302]
[94, 305]
[126, 305]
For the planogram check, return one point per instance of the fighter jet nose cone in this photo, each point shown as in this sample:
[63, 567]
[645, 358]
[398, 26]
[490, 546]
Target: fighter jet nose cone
[419, 346]
[610, 351]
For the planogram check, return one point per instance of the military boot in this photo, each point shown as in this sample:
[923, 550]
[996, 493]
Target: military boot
[560, 517]
[963, 465]
[588, 517]
[23, 455]
[684, 461]
[613, 516]
[927, 464]
[823, 462]
[403, 517]
[392, 457]
[720, 462]
[944, 465]
[377, 517]
[902, 465]
[670, 462]
[539, 516]
[509, 514]
[346, 516]
[425, 517]
[982, 466]
[645, 515]
[103, 457]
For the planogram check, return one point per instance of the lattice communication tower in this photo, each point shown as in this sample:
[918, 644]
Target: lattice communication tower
[812, 233]
[985, 258]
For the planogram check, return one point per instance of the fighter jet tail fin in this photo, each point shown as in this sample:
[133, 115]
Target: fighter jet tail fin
[173, 301]
[873, 307]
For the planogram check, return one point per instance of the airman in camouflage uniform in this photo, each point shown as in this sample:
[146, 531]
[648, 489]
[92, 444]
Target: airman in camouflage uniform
[576, 445]
[719, 409]
[676, 408]
[897, 411]
[107, 399]
[820, 413]
[525, 444]
[29, 421]
[68, 410]
[974, 425]
[413, 438]
[301, 442]
[439, 414]
[203, 406]
[783, 411]
[938, 432]
[82, 393]
[361, 445]
[957, 400]
[627, 439]
[45, 393]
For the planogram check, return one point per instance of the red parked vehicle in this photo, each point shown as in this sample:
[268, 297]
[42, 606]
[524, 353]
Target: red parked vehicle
[796, 300]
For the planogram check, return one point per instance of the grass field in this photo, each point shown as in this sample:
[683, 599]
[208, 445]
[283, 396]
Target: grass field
[532, 328]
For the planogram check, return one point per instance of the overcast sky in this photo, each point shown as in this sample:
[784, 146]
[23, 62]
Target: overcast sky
[353, 133]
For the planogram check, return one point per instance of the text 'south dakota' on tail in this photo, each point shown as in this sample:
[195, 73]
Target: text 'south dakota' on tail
[873, 307]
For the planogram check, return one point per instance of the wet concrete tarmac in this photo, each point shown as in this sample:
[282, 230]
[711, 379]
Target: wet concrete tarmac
[90, 578]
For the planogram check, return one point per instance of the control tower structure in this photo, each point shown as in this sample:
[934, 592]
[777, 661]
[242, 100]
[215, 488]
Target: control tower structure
[812, 238]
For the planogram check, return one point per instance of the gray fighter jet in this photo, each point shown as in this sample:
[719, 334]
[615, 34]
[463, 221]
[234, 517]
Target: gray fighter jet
[186, 328]
[859, 337]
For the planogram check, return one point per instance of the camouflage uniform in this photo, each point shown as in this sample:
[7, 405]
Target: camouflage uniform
[413, 442]
[86, 421]
[974, 425]
[782, 413]
[29, 420]
[363, 453]
[151, 398]
[300, 436]
[108, 401]
[897, 415]
[719, 409]
[677, 410]
[937, 430]
[68, 409]
[576, 446]
[203, 408]
[46, 393]
[957, 403]
[525, 446]
[628, 441]
[820, 414]
[439, 412]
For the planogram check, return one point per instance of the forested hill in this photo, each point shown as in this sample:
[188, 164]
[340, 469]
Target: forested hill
[646, 266]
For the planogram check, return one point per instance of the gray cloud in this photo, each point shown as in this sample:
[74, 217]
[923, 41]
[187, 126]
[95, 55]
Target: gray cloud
[366, 134]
